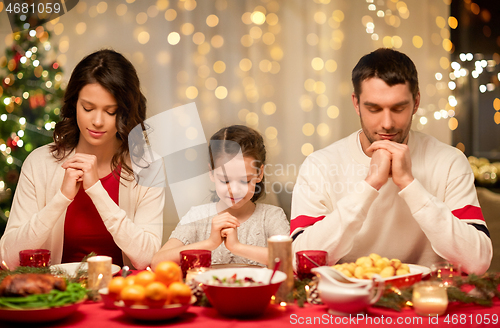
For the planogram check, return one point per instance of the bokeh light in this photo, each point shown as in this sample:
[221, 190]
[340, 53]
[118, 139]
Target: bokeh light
[173, 38]
[308, 129]
[307, 149]
[212, 20]
[333, 112]
[269, 108]
[245, 64]
[221, 92]
[219, 67]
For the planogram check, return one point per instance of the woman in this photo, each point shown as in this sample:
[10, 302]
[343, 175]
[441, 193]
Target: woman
[79, 194]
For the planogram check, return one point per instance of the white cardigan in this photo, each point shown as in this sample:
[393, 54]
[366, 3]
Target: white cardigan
[39, 210]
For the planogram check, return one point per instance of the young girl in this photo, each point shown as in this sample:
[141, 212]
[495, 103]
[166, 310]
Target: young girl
[235, 228]
[78, 195]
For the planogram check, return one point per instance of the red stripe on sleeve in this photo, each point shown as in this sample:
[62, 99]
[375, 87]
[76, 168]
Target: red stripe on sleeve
[303, 221]
[469, 212]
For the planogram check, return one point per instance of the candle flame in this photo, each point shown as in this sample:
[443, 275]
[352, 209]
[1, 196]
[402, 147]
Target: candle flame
[273, 298]
[396, 290]
[283, 304]
[306, 288]
[149, 269]
[5, 265]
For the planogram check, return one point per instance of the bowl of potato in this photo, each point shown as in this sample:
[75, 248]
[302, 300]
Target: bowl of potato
[392, 271]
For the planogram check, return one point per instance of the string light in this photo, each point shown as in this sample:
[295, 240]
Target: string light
[262, 33]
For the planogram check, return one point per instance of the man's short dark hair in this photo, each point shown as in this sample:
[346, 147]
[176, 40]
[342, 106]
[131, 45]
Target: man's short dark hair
[391, 66]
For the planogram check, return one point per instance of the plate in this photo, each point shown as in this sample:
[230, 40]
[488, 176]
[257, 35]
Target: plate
[417, 272]
[235, 265]
[142, 312]
[38, 315]
[405, 280]
[71, 268]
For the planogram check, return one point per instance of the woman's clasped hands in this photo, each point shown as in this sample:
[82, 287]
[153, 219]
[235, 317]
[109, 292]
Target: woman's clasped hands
[81, 170]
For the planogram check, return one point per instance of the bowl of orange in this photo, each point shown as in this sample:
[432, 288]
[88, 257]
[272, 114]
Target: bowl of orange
[240, 292]
[152, 295]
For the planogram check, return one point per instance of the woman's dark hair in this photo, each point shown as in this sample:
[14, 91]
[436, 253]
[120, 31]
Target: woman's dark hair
[251, 144]
[118, 76]
[391, 66]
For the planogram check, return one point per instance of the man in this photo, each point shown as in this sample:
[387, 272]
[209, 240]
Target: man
[386, 189]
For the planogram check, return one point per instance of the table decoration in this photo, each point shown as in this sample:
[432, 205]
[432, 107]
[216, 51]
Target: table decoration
[194, 258]
[192, 273]
[479, 290]
[308, 259]
[99, 272]
[34, 257]
[445, 272]
[473, 289]
[280, 246]
[429, 298]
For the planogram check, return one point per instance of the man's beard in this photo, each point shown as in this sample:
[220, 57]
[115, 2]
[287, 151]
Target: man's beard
[401, 136]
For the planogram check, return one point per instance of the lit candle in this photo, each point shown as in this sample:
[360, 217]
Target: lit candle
[191, 273]
[280, 246]
[429, 298]
[99, 272]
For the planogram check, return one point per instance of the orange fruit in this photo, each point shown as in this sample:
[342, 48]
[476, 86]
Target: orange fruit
[157, 294]
[179, 293]
[133, 294]
[130, 280]
[144, 278]
[167, 272]
[115, 286]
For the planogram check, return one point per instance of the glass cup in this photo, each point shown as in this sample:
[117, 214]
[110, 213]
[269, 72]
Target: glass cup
[429, 298]
[445, 272]
[304, 265]
[195, 258]
[34, 258]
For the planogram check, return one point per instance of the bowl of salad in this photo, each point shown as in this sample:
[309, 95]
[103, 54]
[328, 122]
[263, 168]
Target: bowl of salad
[240, 292]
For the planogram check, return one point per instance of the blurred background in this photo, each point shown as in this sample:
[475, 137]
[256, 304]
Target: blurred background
[282, 67]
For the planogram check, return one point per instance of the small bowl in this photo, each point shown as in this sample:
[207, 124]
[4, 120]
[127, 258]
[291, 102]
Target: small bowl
[107, 299]
[240, 301]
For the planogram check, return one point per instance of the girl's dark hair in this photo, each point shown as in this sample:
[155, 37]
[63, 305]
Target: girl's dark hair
[118, 76]
[391, 66]
[251, 144]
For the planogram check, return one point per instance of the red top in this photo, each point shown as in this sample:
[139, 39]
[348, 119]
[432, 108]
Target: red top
[84, 230]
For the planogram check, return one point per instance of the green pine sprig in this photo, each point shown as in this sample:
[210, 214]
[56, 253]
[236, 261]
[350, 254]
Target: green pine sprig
[299, 291]
[485, 289]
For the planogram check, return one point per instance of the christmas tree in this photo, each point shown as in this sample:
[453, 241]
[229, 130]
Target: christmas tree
[31, 93]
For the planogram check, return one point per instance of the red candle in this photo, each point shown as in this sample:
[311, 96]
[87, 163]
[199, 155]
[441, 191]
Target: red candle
[304, 265]
[195, 258]
[34, 258]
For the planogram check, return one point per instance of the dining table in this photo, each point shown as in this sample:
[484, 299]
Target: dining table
[94, 315]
